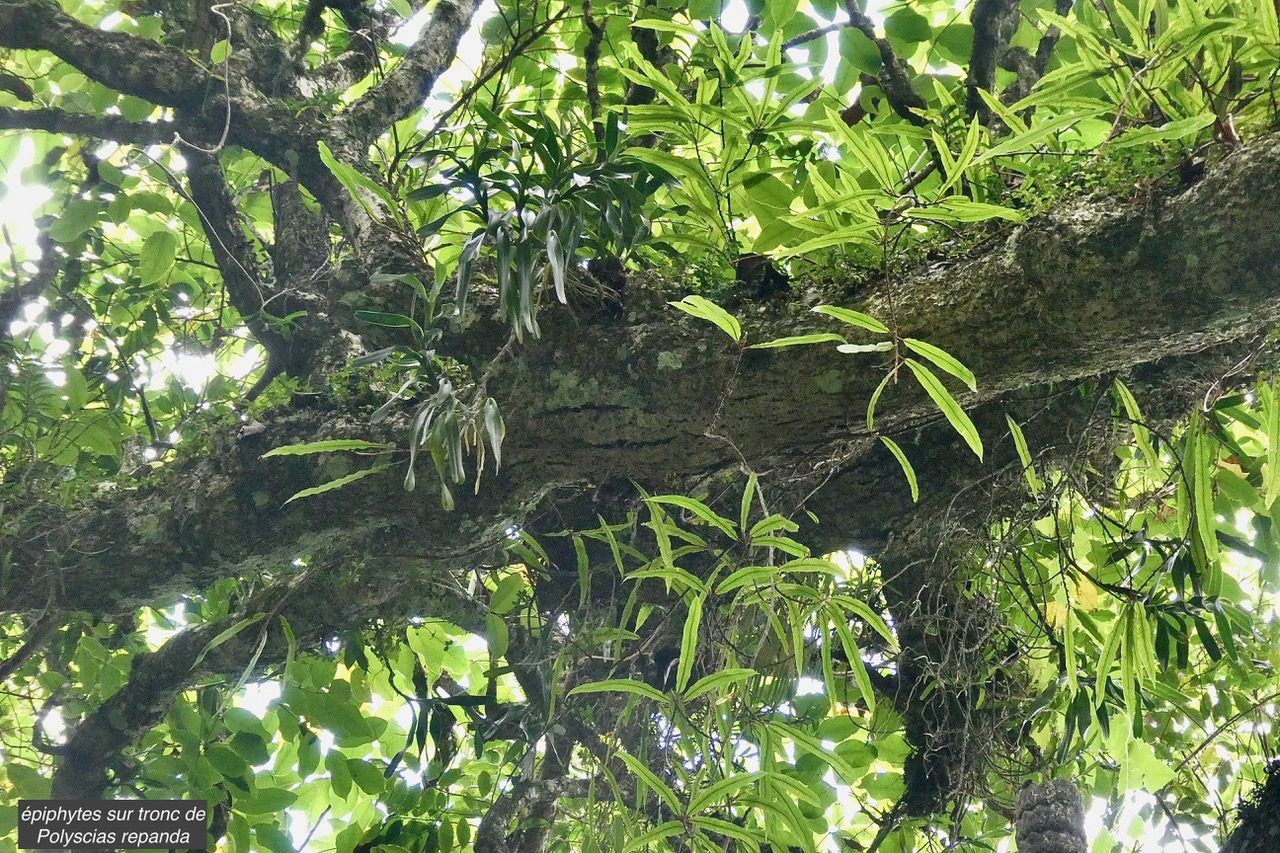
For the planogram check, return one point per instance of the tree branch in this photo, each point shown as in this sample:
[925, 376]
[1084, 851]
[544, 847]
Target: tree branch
[235, 257]
[1092, 289]
[115, 128]
[123, 62]
[994, 23]
[492, 831]
[325, 600]
[36, 635]
[409, 83]
[895, 75]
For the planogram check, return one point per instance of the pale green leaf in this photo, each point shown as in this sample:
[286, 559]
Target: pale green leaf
[326, 446]
[906, 466]
[620, 685]
[798, 340]
[853, 318]
[950, 408]
[705, 309]
[335, 484]
[944, 360]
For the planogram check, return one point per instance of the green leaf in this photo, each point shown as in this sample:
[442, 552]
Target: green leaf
[621, 685]
[507, 593]
[689, 643]
[860, 51]
[498, 633]
[748, 839]
[226, 635]
[226, 761]
[157, 256]
[944, 360]
[808, 742]
[659, 787]
[748, 495]
[335, 484]
[853, 318]
[856, 349]
[908, 26]
[705, 309]
[1024, 455]
[906, 466]
[950, 408]
[267, 801]
[356, 182]
[659, 832]
[798, 340]
[366, 775]
[1169, 130]
[1271, 473]
[701, 510]
[1141, 435]
[76, 218]
[331, 445]
[717, 680]
[722, 790]
[383, 318]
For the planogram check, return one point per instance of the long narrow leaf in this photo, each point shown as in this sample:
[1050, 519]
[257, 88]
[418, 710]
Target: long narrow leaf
[942, 397]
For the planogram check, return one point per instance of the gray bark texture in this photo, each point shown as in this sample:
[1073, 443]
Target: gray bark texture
[1050, 818]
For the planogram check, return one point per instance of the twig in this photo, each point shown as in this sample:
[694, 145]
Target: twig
[36, 636]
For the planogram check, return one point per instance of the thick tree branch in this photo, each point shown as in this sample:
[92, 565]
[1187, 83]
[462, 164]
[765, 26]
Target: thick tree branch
[123, 62]
[491, 833]
[994, 23]
[1051, 818]
[407, 86]
[368, 27]
[1089, 290]
[234, 255]
[115, 128]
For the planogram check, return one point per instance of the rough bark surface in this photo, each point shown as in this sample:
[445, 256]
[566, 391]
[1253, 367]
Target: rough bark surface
[1050, 818]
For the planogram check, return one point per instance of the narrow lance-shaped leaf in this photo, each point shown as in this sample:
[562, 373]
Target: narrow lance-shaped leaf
[798, 340]
[326, 446]
[944, 360]
[1024, 455]
[335, 484]
[689, 643]
[853, 318]
[950, 408]
[906, 466]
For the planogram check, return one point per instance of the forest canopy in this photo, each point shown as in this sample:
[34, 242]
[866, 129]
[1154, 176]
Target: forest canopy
[679, 425]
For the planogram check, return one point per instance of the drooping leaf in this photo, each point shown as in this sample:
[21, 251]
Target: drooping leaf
[950, 408]
[705, 309]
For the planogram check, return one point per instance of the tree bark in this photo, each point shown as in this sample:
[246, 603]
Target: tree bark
[1050, 819]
